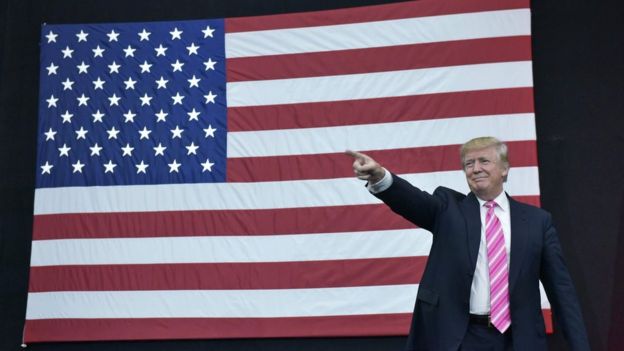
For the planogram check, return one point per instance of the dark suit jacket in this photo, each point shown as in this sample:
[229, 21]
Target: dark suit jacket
[442, 305]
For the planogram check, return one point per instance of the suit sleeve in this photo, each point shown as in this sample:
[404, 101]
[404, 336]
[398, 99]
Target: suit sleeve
[560, 290]
[415, 205]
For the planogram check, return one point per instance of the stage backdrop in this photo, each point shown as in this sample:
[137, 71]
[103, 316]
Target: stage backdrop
[191, 178]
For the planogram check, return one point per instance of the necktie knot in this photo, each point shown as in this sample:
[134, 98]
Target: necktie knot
[491, 204]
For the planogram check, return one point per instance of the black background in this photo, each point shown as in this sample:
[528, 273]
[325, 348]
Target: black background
[578, 57]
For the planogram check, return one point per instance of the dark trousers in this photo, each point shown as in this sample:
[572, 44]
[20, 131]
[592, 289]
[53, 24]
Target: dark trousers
[484, 338]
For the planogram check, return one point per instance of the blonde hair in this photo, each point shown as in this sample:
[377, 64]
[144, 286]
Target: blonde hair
[482, 143]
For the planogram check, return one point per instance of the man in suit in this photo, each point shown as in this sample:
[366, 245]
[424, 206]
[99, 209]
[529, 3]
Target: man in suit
[480, 288]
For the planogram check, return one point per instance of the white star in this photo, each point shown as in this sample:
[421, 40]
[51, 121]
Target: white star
[127, 150]
[52, 101]
[81, 134]
[112, 133]
[193, 115]
[210, 131]
[177, 133]
[82, 36]
[82, 67]
[97, 116]
[210, 64]
[145, 67]
[193, 82]
[67, 84]
[52, 68]
[207, 166]
[162, 83]
[110, 167]
[47, 168]
[144, 35]
[77, 167]
[129, 51]
[112, 36]
[67, 117]
[208, 32]
[82, 100]
[192, 149]
[210, 97]
[177, 99]
[159, 150]
[161, 116]
[98, 84]
[64, 151]
[50, 134]
[130, 83]
[51, 37]
[141, 168]
[145, 100]
[173, 167]
[144, 133]
[176, 34]
[98, 51]
[95, 149]
[161, 51]
[177, 66]
[114, 100]
[129, 116]
[67, 52]
[192, 49]
[113, 67]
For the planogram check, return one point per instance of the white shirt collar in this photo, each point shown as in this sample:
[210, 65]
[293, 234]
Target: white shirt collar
[501, 200]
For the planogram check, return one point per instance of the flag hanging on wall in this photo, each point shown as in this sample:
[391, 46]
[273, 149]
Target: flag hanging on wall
[191, 180]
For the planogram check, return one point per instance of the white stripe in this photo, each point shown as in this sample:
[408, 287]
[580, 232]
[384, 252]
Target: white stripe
[263, 195]
[503, 289]
[381, 136]
[380, 84]
[216, 249]
[544, 299]
[380, 33]
[222, 303]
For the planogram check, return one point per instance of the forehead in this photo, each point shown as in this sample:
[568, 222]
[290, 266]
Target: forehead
[487, 152]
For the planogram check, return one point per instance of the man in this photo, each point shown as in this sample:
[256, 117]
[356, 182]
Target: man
[480, 288]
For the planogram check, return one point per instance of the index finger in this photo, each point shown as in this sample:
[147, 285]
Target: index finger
[355, 154]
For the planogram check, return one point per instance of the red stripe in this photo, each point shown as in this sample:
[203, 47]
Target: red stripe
[400, 161]
[382, 110]
[230, 276]
[231, 222]
[214, 328]
[391, 58]
[367, 14]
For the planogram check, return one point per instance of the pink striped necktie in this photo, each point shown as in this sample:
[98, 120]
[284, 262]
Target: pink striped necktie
[499, 273]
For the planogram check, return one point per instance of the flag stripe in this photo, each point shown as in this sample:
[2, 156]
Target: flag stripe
[382, 136]
[381, 84]
[404, 31]
[266, 303]
[303, 193]
[387, 58]
[382, 110]
[215, 249]
[224, 276]
[404, 160]
[209, 223]
[72, 329]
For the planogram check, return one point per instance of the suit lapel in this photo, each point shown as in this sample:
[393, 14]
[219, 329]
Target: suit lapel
[472, 215]
[519, 240]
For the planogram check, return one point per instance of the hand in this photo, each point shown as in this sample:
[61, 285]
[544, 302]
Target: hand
[365, 168]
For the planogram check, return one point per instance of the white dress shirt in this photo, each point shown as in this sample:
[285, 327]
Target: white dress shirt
[480, 289]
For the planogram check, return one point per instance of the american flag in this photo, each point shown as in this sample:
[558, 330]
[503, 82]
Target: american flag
[191, 181]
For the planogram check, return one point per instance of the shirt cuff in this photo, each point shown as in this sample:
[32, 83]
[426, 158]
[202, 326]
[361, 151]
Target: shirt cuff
[381, 185]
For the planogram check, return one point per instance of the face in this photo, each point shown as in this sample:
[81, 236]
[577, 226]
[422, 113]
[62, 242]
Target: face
[485, 173]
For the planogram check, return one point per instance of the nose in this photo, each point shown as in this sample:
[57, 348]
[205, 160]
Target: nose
[476, 167]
